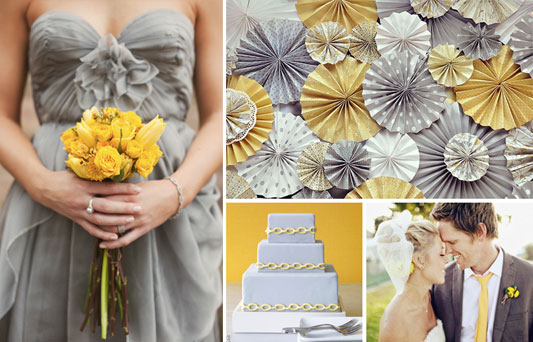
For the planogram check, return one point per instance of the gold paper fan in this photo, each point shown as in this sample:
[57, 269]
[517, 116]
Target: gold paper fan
[332, 102]
[363, 42]
[346, 12]
[310, 167]
[238, 187]
[449, 66]
[385, 187]
[327, 43]
[240, 150]
[498, 94]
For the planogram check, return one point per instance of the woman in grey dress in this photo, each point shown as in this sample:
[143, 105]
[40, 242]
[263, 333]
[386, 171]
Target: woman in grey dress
[134, 55]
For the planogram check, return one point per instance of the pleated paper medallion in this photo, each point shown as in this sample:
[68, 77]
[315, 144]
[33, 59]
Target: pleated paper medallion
[332, 102]
[522, 44]
[446, 28]
[403, 32]
[498, 94]
[478, 41]
[363, 42]
[346, 164]
[449, 66]
[385, 187]
[310, 167]
[327, 43]
[431, 8]
[519, 153]
[487, 11]
[237, 187]
[388, 7]
[307, 193]
[348, 13]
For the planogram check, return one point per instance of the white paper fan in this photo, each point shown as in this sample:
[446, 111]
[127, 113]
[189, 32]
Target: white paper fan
[347, 164]
[487, 11]
[401, 32]
[522, 44]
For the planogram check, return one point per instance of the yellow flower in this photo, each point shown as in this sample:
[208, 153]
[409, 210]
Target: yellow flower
[90, 114]
[154, 153]
[85, 132]
[78, 148]
[122, 128]
[132, 118]
[69, 134]
[134, 149]
[108, 160]
[102, 132]
[516, 294]
[94, 173]
[126, 167]
[144, 165]
[78, 166]
[151, 132]
[110, 112]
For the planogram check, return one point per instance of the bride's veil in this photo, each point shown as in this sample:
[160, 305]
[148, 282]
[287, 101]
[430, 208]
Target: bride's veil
[394, 250]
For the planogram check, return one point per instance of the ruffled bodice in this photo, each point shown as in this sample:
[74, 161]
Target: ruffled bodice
[148, 68]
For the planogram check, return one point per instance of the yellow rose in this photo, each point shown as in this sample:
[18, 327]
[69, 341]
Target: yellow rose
[151, 132]
[132, 118]
[144, 165]
[108, 160]
[69, 134]
[78, 148]
[85, 132]
[78, 166]
[102, 132]
[134, 149]
[126, 167]
[154, 153]
[94, 173]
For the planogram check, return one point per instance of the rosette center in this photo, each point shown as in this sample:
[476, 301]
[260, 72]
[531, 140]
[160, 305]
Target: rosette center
[241, 114]
[466, 157]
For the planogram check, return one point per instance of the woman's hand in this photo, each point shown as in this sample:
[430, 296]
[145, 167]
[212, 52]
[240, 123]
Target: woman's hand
[158, 200]
[68, 195]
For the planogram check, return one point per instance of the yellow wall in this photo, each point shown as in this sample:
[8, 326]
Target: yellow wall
[339, 226]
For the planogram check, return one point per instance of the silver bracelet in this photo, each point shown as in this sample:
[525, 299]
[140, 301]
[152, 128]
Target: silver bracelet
[180, 197]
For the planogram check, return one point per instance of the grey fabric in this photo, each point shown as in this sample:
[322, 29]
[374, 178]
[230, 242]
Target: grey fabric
[174, 283]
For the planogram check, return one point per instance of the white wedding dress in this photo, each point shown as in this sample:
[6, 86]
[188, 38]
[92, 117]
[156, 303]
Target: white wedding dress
[436, 334]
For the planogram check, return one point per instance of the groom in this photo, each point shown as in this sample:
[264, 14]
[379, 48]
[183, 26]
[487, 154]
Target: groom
[471, 301]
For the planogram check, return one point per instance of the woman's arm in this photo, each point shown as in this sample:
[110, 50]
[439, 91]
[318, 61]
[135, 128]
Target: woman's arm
[205, 153]
[61, 191]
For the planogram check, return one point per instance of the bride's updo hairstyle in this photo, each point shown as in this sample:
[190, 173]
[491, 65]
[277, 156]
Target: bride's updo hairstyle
[421, 234]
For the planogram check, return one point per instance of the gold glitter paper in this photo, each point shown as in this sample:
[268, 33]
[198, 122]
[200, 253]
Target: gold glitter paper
[237, 187]
[448, 65]
[348, 13]
[497, 94]
[431, 8]
[363, 42]
[385, 187]
[242, 149]
[310, 167]
[327, 43]
[332, 102]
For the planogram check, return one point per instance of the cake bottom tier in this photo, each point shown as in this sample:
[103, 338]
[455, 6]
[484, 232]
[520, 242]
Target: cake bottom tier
[289, 291]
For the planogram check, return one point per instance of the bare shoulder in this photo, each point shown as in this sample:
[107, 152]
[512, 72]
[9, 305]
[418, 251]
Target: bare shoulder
[394, 322]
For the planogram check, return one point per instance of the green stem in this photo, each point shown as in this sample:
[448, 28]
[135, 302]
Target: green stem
[103, 295]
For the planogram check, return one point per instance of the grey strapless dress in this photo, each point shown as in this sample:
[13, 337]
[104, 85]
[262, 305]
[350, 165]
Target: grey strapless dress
[174, 284]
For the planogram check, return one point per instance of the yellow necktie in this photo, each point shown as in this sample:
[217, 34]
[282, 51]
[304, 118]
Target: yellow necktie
[483, 305]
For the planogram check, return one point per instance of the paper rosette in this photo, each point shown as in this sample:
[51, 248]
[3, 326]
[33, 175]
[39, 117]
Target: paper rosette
[332, 102]
[363, 42]
[346, 12]
[271, 172]
[327, 43]
[307, 193]
[487, 11]
[400, 93]
[243, 15]
[346, 164]
[231, 61]
[433, 177]
[519, 153]
[431, 8]
[508, 26]
[523, 192]
[388, 7]
[240, 150]
[393, 155]
[498, 94]
[241, 114]
[401, 32]
[449, 66]
[274, 55]
[522, 44]
[385, 187]
[466, 157]
[445, 29]
[310, 167]
[237, 187]
[478, 41]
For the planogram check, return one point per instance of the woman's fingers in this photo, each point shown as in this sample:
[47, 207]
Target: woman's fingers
[124, 240]
[106, 206]
[113, 188]
[97, 232]
[101, 219]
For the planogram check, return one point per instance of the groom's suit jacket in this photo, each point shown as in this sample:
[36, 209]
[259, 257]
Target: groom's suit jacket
[513, 320]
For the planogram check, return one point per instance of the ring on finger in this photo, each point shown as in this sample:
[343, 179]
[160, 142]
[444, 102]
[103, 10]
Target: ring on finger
[121, 229]
[89, 208]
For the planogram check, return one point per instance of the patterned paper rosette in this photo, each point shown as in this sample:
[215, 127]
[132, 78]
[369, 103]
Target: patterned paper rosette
[508, 26]
[523, 192]
[385, 187]
[274, 55]
[466, 157]
[393, 155]
[431, 8]
[522, 44]
[231, 61]
[332, 102]
[519, 153]
[436, 179]
[310, 167]
[402, 32]
[478, 41]
[307, 193]
[400, 93]
[246, 95]
[271, 172]
[498, 94]
[363, 42]
[487, 11]
[327, 43]
[348, 13]
[244, 15]
[388, 7]
[449, 66]
[445, 29]
[346, 164]
[237, 187]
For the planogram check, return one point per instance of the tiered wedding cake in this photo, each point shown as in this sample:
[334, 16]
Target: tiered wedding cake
[290, 273]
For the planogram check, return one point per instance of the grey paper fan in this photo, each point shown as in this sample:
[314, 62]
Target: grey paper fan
[523, 192]
[478, 41]
[507, 27]
[346, 164]
[519, 153]
[401, 94]
[487, 11]
[433, 176]
[446, 28]
[522, 44]
[274, 55]
[307, 193]
[388, 7]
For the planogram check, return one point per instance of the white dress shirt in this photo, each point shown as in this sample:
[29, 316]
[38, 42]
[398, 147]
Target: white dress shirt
[471, 292]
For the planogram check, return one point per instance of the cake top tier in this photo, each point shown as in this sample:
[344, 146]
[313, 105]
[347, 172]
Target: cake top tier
[291, 228]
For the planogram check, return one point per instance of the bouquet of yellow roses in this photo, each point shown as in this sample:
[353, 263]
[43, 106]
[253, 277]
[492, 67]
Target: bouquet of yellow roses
[110, 145]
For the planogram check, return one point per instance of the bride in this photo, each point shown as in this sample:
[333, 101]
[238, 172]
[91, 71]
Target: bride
[413, 255]
[145, 56]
